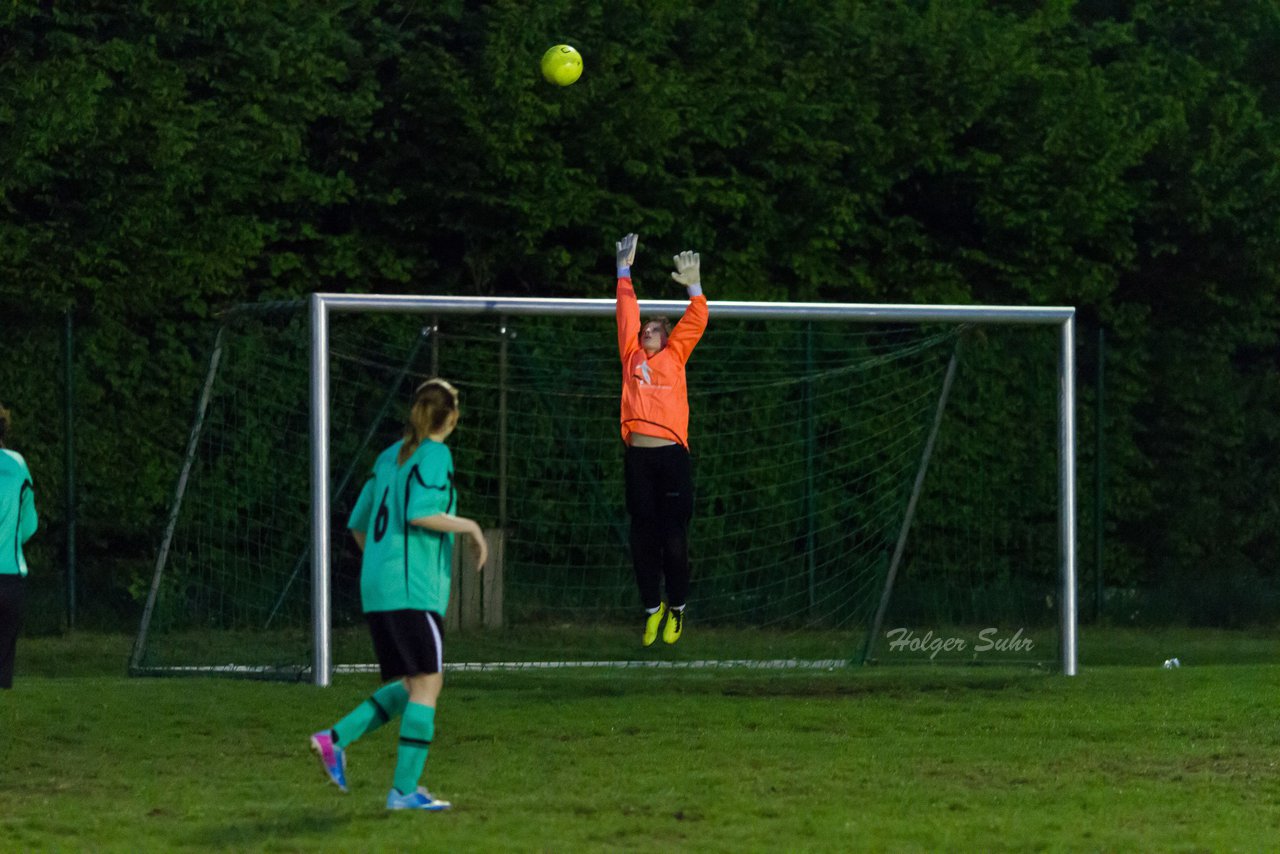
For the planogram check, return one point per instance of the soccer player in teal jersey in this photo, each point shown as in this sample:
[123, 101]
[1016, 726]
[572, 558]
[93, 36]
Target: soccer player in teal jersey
[404, 521]
[17, 524]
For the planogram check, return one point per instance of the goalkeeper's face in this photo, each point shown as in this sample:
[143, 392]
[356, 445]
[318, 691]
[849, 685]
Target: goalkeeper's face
[653, 336]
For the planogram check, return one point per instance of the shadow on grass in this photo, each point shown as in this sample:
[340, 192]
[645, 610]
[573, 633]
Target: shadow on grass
[290, 828]
[850, 683]
[73, 654]
[898, 685]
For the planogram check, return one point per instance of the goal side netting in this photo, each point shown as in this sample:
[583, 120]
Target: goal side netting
[872, 484]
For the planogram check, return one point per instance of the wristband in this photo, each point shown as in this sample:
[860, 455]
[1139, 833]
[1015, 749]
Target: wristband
[624, 272]
[695, 290]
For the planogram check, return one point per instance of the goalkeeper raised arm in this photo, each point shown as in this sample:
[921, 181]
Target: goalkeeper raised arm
[655, 428]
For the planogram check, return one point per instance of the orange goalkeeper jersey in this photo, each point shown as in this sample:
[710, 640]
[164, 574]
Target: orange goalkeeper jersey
[655, 400]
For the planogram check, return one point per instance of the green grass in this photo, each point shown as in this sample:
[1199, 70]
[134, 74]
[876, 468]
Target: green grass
[536, 643]
[612, 642]
[1126, 756]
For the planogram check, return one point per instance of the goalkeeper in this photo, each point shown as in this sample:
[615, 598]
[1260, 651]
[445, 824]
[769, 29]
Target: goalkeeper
[655, 427]
[409, 503]
[17, 524]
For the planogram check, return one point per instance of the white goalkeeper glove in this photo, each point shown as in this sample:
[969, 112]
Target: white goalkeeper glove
[626, 254]
[687, 272]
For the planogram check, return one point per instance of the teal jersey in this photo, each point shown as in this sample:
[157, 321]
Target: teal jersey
[406, 566]
[17, 512]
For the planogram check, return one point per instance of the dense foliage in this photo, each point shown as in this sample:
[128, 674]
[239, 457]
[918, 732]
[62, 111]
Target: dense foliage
[166, 160]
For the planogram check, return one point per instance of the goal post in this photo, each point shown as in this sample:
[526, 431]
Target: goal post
[322, 306]
[862, 472]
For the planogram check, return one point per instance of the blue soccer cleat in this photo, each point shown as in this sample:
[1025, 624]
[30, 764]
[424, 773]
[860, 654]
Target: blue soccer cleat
[332, 758]
[419, 800]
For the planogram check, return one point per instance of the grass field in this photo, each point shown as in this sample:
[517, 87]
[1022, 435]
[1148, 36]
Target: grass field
[1125, 756]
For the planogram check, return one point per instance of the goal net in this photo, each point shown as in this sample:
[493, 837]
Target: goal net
[872, 484]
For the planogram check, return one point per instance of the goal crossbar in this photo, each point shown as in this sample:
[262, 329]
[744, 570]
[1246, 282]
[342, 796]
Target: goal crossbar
[321, 305]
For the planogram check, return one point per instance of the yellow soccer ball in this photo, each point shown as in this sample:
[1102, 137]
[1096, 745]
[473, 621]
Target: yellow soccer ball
[561, 65]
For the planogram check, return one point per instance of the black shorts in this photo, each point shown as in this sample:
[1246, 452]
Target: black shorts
[13, 594]
[407, 643]
[659, 484]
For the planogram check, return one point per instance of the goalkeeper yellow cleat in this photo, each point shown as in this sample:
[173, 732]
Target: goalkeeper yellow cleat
[675, 625]
[652, 622]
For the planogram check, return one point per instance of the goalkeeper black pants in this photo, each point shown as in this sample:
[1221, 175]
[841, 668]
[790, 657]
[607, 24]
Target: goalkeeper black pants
[13, 592]
[659, 485]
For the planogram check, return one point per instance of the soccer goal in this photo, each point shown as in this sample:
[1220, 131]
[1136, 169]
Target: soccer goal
[874, 483]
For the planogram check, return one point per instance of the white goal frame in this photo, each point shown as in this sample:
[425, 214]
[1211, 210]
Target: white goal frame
[323, 304]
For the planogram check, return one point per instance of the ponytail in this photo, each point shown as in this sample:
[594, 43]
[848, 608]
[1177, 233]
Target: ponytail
[433, 402]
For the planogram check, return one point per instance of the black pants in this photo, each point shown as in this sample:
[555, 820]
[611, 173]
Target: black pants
[660, 500]
[13, 594]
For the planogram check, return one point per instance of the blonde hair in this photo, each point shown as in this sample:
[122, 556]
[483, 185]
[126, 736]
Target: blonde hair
[433, 402]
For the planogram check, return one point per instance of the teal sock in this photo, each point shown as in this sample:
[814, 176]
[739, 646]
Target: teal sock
[386, 704]
[417, 728]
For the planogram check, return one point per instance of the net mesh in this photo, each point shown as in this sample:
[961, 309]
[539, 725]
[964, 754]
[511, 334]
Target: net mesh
[806, 439]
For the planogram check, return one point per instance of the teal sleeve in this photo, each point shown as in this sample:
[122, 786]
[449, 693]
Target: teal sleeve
[359, 520]
[28, 513]
[432, 492]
